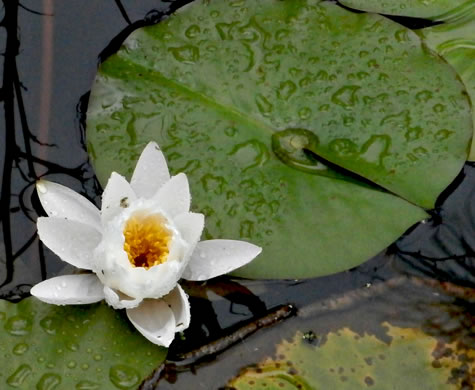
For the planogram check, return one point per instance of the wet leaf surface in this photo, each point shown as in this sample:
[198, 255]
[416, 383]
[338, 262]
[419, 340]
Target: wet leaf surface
[455, 41]
[241, 99]
[432, 9]
[48, 347]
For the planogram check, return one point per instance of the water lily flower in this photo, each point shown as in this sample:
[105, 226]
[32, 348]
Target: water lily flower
[138, 246]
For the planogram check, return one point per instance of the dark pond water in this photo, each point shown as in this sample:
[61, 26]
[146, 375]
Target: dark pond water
[51, 50]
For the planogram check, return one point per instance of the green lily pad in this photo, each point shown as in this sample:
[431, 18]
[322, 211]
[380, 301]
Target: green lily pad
[455, 41]
[246, 96]
[348, 361]
[428, 9]
[49, 347]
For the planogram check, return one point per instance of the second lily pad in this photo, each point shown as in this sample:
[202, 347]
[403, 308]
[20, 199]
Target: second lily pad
[246, 96]
[348, 361]
[89, 347]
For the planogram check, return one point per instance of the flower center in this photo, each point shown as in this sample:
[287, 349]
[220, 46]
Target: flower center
[146, 240]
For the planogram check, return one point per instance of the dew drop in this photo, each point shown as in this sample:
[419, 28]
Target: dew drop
[343, 147]
[212, 183]
[305, 113]
[49, 325]
[443, 134]
[413, 133]
[48, 382]
[264, 106]
[86, 385]
[250, 154]
[424, 96]
[187, 54]
[97, 357]
[123, 377]
[71, 364]
[322, 75]
[20, 349]
[72, 346]
[375, 149]
[192, 31]
[286, 89]
[18, 325]
[230, 132]
[19, 376]
[346, 96]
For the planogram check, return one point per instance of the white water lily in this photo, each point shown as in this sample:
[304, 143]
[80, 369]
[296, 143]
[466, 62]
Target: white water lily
[138, 246]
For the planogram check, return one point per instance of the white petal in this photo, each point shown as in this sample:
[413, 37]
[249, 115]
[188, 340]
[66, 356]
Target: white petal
[150, 173]
[177, 300]
[174, 196]
[155, 320]
[120, 301]
[61, 202]
[72, 241]
[216, 257]
[190, 226]
[117, 195]
[70, 290]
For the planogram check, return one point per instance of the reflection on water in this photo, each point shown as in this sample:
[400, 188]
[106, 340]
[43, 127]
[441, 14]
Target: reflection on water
[40, 127]
[50, 54]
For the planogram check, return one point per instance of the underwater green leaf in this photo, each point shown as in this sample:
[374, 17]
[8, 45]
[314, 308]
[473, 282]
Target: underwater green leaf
[246, 97]
[345, 360]
[428, 9]
[89, 347]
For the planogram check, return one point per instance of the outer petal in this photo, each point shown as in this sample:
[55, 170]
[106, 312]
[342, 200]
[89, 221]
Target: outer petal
[120, 301]
[72, 241]
[61, 202]
[117, 195]
[174, 196]
[190, 226]
[216, 257]
[150, 173]
[155, 320]
[70, 290]
[177, 300]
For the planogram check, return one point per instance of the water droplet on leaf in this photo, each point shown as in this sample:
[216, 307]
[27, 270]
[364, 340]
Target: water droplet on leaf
[19, 376]
[123, 377]
[18, 325]
[48, 382]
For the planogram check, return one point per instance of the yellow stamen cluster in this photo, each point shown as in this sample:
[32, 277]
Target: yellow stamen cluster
[146, 240]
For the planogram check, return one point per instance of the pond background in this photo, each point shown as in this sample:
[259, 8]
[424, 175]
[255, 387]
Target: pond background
[51, 50]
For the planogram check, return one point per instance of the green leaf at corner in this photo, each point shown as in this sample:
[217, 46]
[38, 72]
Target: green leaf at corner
[348, 361]
[428, 9]
[89, 347]
[234, 92]
[455, 41]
